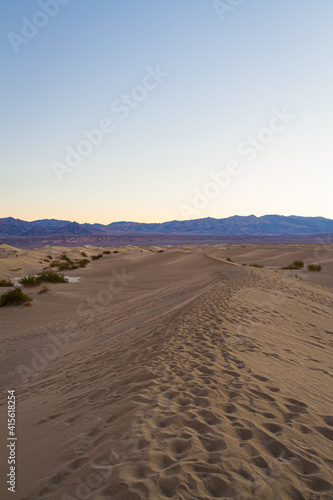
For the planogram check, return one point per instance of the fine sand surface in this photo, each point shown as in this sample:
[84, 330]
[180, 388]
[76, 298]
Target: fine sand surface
[172, 375]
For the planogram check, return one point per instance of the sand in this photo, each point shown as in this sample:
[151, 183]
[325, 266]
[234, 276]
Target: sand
[172, 375]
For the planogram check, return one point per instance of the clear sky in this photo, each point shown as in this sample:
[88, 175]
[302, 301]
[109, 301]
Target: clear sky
[203, 108]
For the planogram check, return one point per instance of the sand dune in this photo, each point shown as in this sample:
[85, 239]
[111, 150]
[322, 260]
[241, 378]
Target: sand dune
[173, 375]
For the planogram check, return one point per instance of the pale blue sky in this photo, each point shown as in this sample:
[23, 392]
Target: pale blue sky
[221, 81]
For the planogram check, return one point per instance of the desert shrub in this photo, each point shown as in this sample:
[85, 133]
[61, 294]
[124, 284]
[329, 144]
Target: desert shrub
[255, 264]
[55, 263]
[115, 251]
[5, 282]
[243, 264]
[160, 251]
[297, 264]
[52, 277]
[314, 267]
[31, 280]
[84, 254]
[17, 269]
[67, 266]
[228, 259]
[107, 252]
[96, 257]
[15, 296]
[49, 257]
[83, 262]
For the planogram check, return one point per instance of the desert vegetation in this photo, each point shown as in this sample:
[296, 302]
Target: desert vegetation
[69, 265]
[47, 275]
[314, 267]
[52, 277]
[297, 264]
[16, 297]
[5, 282]
[96, 257]
[83, 262]
[30, 280]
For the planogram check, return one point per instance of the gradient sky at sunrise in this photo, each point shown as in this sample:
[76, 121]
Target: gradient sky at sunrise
[185, 92]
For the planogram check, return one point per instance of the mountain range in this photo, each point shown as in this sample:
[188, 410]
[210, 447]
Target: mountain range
[53, 231]
[265, 225]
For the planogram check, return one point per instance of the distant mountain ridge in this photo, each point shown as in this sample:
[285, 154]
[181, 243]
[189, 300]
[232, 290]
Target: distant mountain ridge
[235, 225]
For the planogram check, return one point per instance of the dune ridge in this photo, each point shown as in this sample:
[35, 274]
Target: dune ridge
[199, 379]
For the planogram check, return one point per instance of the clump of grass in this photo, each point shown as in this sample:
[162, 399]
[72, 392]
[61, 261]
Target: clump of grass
[314, 267]
[297, 264]
[5, 282]
[15, 296]
[31, 280]
[115, 251]
[55, 263]
[107, 252]
[67, 266]
[84, 254]
[49, 257]
[52, 277]
[255, 264]
[228, 259]
[83, 262]
[96, 257]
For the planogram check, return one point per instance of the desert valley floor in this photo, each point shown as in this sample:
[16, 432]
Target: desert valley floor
[171, 374]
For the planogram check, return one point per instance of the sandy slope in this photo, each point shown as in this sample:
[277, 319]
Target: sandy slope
[172, 375]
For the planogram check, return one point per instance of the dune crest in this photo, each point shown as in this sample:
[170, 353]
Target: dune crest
[196, 378]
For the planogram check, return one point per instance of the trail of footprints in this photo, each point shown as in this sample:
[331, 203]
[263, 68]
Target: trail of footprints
[200, 424]
[194, 434]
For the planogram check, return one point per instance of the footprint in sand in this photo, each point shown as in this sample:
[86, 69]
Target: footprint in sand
[326, 432]
[262, 379]
[328, 419]
[243, 433]
[213, 445]
[273, 428]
